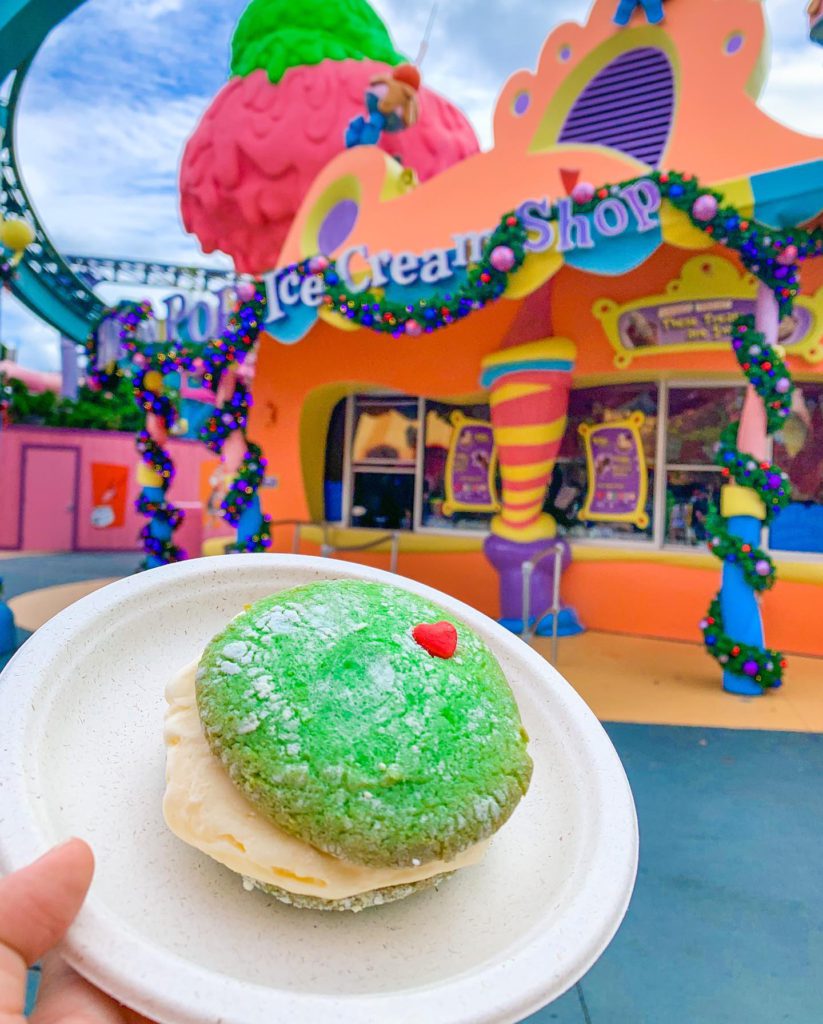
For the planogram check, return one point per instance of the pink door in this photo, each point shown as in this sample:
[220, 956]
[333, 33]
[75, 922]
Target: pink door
[49, 498]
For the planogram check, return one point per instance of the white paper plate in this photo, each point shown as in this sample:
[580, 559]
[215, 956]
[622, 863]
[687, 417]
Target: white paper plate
[173, 934]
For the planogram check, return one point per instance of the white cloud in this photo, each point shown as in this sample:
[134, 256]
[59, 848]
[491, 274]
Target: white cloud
[37, 345]
[123, 200]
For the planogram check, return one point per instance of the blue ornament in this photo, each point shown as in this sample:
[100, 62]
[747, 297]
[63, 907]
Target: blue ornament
[676, 190]
[710, 640]
[625, 9]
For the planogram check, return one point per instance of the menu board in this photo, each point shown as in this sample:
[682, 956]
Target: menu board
[700, 322]
[471, 466]
[617, 479]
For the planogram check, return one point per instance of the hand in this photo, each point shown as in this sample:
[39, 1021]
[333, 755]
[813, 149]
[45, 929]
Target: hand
[37, 905]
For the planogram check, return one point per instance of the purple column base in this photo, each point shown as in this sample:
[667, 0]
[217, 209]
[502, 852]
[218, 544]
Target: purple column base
[507, 557]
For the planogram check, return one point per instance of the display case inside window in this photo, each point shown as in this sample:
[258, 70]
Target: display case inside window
[383, 500]
[585, 494]
[798, 449]
[459, 481]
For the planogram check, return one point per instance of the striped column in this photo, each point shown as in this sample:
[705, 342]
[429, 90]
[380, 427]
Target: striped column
[529, 397]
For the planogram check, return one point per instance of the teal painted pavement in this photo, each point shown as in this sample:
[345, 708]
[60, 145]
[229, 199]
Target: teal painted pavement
[726, 924]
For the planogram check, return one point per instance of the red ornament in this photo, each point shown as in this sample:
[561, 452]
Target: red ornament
[485, 278]
[735, 651]
[746, 547]
[438, 638]
[511, 221]
[664, 178]
[766, 366]
[603, 193]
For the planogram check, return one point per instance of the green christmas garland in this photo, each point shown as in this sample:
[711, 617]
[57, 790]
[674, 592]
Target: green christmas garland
[503, 254]
[772, 256]
[767, 373]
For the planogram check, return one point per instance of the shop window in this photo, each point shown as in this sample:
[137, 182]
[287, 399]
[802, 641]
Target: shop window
[566, 497]
[376, 477]
[458, 492]
[383, 462]
[798, 449]
[696, 418]
[690, 494]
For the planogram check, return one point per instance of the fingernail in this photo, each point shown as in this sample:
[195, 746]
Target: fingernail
[54, 849]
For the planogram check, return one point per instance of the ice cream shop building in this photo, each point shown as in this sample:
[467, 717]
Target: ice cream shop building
[602, 335]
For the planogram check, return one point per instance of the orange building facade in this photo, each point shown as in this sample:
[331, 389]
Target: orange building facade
[503, 428]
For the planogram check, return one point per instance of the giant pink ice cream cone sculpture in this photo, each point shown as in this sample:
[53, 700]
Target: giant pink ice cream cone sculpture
[529, 397]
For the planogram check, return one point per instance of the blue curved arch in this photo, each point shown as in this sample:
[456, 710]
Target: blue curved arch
[44, 283]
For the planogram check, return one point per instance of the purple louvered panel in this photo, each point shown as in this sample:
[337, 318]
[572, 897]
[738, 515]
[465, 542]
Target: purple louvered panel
[626, 106]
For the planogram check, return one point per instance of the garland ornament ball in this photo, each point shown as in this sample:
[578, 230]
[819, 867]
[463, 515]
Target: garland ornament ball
[502, 258]
[583, 192]
[704, 208]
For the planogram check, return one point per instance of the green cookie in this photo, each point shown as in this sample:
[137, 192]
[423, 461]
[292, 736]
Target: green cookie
[350, 736]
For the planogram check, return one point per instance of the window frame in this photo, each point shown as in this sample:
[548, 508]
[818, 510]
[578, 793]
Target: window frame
[660, 467]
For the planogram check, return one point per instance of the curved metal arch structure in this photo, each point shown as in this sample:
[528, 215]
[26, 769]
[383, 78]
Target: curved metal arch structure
[44, 282]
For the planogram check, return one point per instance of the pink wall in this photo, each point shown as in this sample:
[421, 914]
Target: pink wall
[95, 446]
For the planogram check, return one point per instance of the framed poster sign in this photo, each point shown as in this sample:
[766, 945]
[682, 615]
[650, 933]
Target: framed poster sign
[471, 467]
[617, 477]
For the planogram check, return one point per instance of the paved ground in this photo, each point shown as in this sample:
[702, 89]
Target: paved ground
[32, 572]
[36, 572]
[726, 925]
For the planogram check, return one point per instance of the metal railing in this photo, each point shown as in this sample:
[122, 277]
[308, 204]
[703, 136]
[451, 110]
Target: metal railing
[328, 549]
[298, 524]
[529, 628]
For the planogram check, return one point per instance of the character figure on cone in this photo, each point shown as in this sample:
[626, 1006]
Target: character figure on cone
[391, 105]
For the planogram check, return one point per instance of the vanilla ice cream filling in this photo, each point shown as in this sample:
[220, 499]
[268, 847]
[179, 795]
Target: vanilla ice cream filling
[204, 808]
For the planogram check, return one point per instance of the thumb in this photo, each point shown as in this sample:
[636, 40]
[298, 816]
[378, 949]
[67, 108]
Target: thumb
[37, 904]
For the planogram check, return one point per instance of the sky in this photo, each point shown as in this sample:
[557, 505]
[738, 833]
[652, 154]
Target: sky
[120, 85]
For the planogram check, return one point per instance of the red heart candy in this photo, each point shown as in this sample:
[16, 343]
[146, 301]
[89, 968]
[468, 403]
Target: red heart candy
[438, 638]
